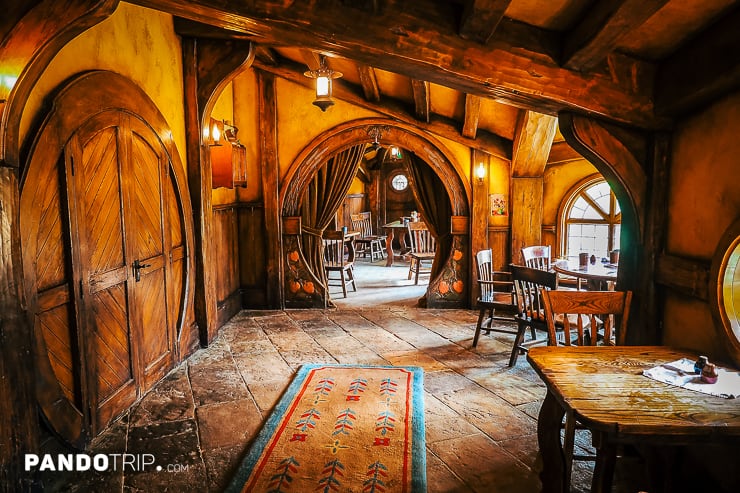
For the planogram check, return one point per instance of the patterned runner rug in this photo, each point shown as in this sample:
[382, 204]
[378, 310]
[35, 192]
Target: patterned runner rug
[341, 428]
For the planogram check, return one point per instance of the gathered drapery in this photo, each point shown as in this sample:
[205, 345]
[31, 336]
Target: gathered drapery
[321, 199]
[434, 204]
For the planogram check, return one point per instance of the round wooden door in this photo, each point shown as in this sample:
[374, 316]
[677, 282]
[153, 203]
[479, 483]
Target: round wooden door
[104, 257]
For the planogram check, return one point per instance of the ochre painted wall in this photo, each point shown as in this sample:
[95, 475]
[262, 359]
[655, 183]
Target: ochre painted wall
[704, 199]
[136, 42]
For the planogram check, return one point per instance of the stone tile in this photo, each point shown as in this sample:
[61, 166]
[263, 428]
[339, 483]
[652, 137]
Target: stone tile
[513, 389]
[267, 366]
[441, 479]
[228, 424]
[216, 383]
[488, 412]
[170, 400]
[414, 358]
[267, 393]
[173, 443]
[222, 464]
[181, 478]
[493, 470]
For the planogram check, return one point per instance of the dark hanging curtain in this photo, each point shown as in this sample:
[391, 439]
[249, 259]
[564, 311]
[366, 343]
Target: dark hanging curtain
[435, 207]
[322, 198]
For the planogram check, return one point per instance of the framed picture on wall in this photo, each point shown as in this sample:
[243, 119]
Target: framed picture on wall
[498, 205]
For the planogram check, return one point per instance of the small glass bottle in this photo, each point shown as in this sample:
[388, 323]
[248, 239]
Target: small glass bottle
[700, 363]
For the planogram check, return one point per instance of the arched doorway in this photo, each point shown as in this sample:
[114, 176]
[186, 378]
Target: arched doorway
[449, 288]
[106, 253]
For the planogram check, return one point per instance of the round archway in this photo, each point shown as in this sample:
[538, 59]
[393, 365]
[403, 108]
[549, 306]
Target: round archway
[449, 287]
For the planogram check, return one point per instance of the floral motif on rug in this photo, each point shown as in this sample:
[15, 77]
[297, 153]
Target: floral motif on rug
[341, 428]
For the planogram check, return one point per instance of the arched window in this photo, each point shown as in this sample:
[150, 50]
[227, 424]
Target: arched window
[591, 220]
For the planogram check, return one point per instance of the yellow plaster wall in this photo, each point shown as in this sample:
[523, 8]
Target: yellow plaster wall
[246, 118]
[136, 42]
[559, 179]
[299, 121]
[704, 199]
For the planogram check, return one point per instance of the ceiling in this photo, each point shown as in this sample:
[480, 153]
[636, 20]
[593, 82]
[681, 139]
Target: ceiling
[469, 70]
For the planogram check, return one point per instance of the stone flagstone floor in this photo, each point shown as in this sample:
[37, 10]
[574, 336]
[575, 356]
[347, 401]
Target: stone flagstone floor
[481, 415]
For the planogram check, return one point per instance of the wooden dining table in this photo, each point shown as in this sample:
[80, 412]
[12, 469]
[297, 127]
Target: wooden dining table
[393, 229]
[606, 391]
[598, 276]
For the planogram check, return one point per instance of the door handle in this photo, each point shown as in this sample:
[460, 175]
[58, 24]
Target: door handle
[137, 266]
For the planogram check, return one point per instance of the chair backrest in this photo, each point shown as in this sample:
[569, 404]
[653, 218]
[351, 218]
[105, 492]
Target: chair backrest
[362, 222]
[537, 257]
[490, 282]
[334, 249]
[528, 286]
[588, 309]
[421, 238]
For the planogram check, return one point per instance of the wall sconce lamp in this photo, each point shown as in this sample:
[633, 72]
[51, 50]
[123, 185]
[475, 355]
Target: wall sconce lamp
[480, 172]
[324, 76]
[218, 129]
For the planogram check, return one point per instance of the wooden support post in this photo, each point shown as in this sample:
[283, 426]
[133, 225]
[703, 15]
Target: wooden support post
[18, 414]
[479, 216]
[526, 214]
[270, 188]
[199, 180]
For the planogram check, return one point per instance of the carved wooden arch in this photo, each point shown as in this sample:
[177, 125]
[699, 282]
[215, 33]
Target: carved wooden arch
[449, 289]
[81, 99]
[620, 155]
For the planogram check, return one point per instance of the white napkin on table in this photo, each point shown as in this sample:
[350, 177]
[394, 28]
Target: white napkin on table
[681, 373]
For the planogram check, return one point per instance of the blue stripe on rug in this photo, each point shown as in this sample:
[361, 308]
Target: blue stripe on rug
[418, 454]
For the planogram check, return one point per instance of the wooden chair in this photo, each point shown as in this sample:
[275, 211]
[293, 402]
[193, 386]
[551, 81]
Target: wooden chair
[540, 257]
[367, 242]
[528, 284]
[537, 257]
[495, 290]
[423, 249]
[335, 260]
[596, 310]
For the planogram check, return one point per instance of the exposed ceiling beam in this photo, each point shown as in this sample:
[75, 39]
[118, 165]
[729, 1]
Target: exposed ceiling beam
[472, 116]
[480, 18]
[702, 71]
[592, 40]
[266, 54]
[312, 59]
[443, 127]
[518, 66]
[532, 142]
[422, 101]
[369, 82]
[562, 152]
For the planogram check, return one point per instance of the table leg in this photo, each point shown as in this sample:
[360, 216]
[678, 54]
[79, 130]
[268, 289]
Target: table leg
[606, 456]
[389, 247]
[548, 437]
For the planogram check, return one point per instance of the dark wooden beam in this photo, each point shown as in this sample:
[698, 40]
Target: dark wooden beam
[472, 116]
[520, 65]
[589, 43]
[480, 18]
[369, 83]
[311, 58]
[561, 152]
[684, 275]
[702, 71]
[449, 129]
[269, 164]
[422, 103]
[532, 141]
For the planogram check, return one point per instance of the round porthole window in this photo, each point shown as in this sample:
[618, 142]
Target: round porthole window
[726, 293]
[399, 182]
